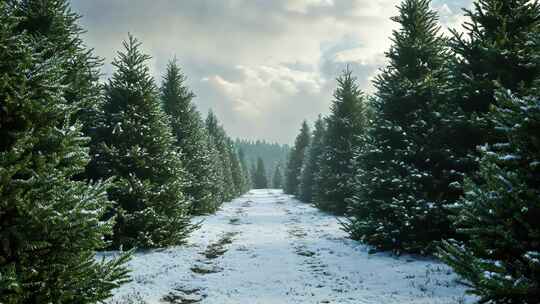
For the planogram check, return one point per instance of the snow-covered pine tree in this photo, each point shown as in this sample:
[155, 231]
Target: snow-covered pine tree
[260, 180]
[253, 173]
[218, 186]
[222, 145]
[497, 49]
[137, 149]
[277, 178]
[50, 224]
[403, 175]
[310, 169]
[500, 214]
[345, 124]
[236, 169]
[53, 20]
[296, 160]
[191, 138]
[245, 169]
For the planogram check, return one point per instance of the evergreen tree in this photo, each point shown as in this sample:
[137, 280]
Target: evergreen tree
[191, 139]
[260, 181]
[54, 21]
[138, 150]
[277, 178]
[500, 48]
[50, 224]
[245, 170]
[253, 173]
[296, 160]
[403, 176]
[271, 153]
[500, 213]
[218, 187]
[345, 124]
[236, 170]
[497, 49]
[221, 143]
[308, 182]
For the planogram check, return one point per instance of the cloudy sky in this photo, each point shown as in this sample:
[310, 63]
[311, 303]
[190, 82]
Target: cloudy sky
[262, 65]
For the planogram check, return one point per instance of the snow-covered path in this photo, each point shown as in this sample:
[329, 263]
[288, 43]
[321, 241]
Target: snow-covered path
[268, 248]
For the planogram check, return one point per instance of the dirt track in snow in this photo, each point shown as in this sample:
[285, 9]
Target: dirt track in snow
[266, 247]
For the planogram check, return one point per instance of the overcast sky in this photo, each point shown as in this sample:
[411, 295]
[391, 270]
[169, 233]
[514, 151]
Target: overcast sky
[262, 65]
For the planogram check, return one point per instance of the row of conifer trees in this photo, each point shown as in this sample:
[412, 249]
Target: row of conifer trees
[445, 157]
[86, 166]
[260, 178]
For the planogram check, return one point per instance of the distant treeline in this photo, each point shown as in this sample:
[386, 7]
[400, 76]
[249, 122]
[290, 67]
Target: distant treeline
[273, 155]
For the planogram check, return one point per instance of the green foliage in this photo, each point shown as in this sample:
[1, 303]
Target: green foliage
[260, 180]
[218, 186]
[403, 175]
[232, 171]
[396, 167]
[277, 178]
[137, 149]
[238, 173]
[245, 170]
[497, 49]
[296, 160]
[272, 154]
[345, 124]
[500, 214]
[191, 139]
[253, 172]
[308, 182]
[54, 21]
[50, 224]
[223, 162]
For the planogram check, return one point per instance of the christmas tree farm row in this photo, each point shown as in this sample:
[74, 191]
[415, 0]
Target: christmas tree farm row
[444, 158]
[86, 166]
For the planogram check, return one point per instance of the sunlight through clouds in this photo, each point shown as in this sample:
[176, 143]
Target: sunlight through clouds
[270, 59]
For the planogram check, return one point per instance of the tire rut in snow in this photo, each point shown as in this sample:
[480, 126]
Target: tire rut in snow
[184, 295]
[298, 235]
[312, 261]
[219, 248]
[213, 251]
[206, 265]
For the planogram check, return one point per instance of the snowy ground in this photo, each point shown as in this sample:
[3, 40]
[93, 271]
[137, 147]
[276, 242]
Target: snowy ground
[268, 248]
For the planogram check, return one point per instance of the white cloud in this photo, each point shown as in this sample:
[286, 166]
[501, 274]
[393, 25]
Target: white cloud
[263, 66]
[450, 18]
[265, 98]
[303, 6]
